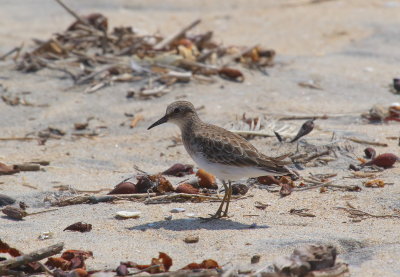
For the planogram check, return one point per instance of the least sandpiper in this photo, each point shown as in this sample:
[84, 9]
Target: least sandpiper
[218, 151]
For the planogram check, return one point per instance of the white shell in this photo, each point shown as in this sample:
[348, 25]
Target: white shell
[127, 214]
[177, 210]
[46, 235]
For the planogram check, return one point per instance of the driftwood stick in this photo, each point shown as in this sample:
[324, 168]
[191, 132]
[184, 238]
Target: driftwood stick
[185, 273]
[166, 41]
[356, 212]
[71, 12]
[84, 199]
[31, 257]
[159, 199]
[361, 141]
[17, 138]
[292, 116]
[316, 155]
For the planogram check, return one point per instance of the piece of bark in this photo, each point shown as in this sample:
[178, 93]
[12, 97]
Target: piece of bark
[31, 257]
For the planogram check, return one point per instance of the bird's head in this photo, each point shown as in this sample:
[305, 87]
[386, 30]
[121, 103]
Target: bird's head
[177, 112]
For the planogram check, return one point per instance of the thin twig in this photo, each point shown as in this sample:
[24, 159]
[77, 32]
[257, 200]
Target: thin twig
[326, 184]
[15, 49]
[166, 41]
[355, 212]
[71, 12]
[361, 141]
[44, 211]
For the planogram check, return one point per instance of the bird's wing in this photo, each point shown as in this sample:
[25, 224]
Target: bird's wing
[232, 149]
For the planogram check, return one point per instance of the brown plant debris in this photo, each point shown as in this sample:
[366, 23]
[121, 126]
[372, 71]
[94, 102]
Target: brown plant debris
[14, 212]
[305, 129]
[206, 180]
[25, 262]
[301, 212]
[179, 170]
[379, 113]
[7, 169]
[124, 188]
[375, 183]
[187, 188]
[310, 260]
[385, 160]
[359, 214]
[70, 259]
[206, 264]
[79, 227]
[96, 57]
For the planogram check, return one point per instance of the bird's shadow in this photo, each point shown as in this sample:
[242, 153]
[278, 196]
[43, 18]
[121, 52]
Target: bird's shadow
[187, 224]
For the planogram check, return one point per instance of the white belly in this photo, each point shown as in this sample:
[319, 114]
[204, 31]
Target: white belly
[228, 172]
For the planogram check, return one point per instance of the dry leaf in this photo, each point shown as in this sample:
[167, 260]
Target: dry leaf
[5, 248]
[187, 188]
[179, 170]
[79, 227]
[163, 261]
[231, 74]
[267, 180]
[376, 183]
[206, 180]
[206, 264]
[162, 184]
[124, 188]
[383, 160]
[14, 212]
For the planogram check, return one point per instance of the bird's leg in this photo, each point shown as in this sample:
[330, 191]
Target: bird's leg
[228, 199]
[218, 214]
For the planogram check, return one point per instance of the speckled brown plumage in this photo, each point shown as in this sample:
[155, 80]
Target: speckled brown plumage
[222, 146]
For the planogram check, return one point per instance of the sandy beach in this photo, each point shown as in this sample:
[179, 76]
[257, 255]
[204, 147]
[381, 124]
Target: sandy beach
[350, 48]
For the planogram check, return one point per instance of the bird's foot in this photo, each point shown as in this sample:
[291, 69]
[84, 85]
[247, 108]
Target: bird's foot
[225, 214]
[217, 215]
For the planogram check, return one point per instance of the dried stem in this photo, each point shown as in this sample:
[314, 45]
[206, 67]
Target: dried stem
[31, 257]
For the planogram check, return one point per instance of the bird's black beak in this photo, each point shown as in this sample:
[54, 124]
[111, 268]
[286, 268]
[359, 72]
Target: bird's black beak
[159, 122]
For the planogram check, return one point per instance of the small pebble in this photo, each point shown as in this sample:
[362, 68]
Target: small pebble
[6, 200]
[127, 214]
[191, 239]
[191, 215]
[177, 210]
[255, 259]
[169, 217]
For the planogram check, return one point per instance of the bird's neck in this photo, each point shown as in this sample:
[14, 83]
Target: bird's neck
[190, 124]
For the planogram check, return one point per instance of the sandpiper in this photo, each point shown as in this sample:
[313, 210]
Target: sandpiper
[218, 151]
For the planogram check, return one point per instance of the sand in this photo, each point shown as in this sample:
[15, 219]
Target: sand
[349, 47]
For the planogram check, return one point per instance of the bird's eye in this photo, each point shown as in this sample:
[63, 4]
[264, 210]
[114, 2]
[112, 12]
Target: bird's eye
[177, 110]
